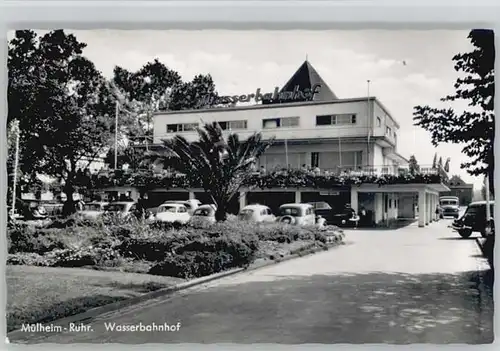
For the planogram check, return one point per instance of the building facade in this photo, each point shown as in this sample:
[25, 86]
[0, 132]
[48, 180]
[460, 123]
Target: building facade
[460, 189]
[324, 134]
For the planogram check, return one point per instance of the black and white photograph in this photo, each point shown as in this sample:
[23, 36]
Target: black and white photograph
[250, 186]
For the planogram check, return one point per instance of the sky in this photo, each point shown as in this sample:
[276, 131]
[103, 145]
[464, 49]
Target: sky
[242, 61]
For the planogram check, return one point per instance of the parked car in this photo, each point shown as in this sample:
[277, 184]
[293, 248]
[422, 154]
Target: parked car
[257, 213]
[335, 216]
[343, 217]
[124, 209]
[474, 220]
[170, 213]
[191, 204]
[93, 210]
[203, 214]
[323, 209]
[450, 206]
[297, 214]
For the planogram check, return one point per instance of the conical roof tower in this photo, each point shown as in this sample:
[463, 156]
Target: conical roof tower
[305, 78]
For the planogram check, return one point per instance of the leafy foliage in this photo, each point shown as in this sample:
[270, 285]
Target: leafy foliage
[220, 165]
[413, 165]
[283, 179]
[62, 103]
[155, 87]
[474, 128]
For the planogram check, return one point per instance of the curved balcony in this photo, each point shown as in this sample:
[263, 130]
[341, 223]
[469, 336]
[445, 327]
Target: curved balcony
[281, 178]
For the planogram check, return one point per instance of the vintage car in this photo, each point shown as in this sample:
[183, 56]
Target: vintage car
[450, 206]
[123, 209]
[297, 214]
[204, 214]
[191, 205]
[341, 216]
[257, 213]
[172, 213]
[474, 220]
[93, 210]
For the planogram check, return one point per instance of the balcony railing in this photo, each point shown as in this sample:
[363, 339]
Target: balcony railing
[278, 178]
[365, 171]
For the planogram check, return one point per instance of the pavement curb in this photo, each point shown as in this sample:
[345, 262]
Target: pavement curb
[93, 312]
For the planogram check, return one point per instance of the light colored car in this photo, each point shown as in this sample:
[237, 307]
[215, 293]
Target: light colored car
[191, 204]
[257, 213]
[123, 209]
[450, 206]
[205, 214]
[297, 214]
[170, 213]
[93, 210]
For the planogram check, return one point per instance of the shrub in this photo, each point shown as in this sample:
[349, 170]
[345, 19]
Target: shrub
[28, 259]
[207, 252]
[34, 240]
[193, 264]
[88, 256]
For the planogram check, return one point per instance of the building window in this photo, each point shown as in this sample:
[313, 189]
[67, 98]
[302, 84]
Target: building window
[314, 159]
[388, 130]
[379, 121]
[283, 122]
[229, 125]
[327, 120]
[181, 127]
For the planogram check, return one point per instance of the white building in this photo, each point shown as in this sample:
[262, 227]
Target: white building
[318, 131]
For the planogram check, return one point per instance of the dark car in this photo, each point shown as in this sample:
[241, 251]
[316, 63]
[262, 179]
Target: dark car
[341, 217]
[474, 220]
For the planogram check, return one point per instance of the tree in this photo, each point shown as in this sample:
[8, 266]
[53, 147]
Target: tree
[63, 105]
[133, 157]
[220, 165]
[413, 165]
[197, 94]
[145, 91]
[155, 87]
[434, 162]
[440, 163]
[476, 127]
[447, 165]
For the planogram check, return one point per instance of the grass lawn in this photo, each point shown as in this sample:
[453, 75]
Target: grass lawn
[42, 294]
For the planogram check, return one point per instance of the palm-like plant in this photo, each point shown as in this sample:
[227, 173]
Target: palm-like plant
[220, 165]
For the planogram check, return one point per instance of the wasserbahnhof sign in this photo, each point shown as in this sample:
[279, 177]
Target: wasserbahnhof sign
[283, 96]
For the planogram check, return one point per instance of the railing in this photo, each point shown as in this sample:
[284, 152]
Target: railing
[362, 170]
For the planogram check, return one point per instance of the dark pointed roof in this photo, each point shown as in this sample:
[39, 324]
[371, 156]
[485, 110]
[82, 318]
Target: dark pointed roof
[305, 78]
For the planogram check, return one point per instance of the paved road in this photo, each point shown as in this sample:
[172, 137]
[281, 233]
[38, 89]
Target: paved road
[410, 285]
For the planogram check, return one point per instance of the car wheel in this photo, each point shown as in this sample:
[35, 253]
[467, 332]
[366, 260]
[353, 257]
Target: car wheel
[286, 220]
[465, 233]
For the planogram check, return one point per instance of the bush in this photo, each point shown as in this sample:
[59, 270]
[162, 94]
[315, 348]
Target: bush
[193, 264]
[34, 240]
[28, 259]
[88, 256]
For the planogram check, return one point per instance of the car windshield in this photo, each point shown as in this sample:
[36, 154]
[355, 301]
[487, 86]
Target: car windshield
[449, 202]
[322, 206]
[92, 207]
[204, 212]
[170, 209]
[246, 212]
[116, 208]
[290, 211]
[481, 209]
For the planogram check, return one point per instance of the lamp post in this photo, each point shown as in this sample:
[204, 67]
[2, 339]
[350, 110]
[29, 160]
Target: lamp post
[16, 165]
[117, 108]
